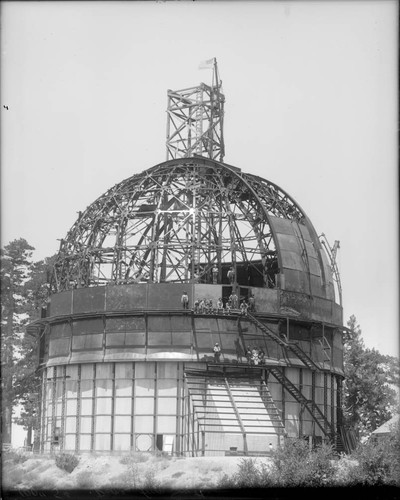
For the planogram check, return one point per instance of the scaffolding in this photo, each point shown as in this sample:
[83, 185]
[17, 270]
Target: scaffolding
[195, 119]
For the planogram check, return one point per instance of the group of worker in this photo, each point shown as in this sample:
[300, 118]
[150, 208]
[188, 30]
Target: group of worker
[206, 306]
[254, 355]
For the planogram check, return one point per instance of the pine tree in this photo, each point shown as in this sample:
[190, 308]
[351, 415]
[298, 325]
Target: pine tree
[16, 268]
[369, 399]
[29, 378]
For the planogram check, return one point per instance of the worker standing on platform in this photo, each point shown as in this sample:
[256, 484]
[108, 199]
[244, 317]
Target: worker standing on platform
[185, 300]
[234, 300]
[196, 306]
[215, 274]
[248, 355]
[231, 275]
[252, 303]
[217, 352]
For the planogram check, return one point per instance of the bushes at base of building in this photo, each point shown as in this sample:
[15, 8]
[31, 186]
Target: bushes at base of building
[378, 462]
[374, 463]
[66, 461]
[293, 464]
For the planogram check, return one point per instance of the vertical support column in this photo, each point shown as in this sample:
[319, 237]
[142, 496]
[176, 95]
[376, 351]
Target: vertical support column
[325, 400]
[78, 409]
[339, 420]
[313, 399]
[301, 412]
[93, 419]
[155, 426]
[44, 408]
[333, 427]
[63, 403]
[53, 408]
[112, 407]
[133, 408]
[283, 401]
[178, 409]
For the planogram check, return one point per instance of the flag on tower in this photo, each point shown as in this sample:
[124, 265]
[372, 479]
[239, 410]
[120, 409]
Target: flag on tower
[207, 64]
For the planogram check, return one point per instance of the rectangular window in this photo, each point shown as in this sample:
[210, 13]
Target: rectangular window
[102, 441]
[144, 370]
[59, 390]
[70, 425]
[123, 387]
[166, 425]
[103, 424]
[104, 387]
[143, 425]
[144, 406]
[85, 424]
[71, 387]
[123, 406]
[87, 372]
[124, 370]
[49, 390]
[167, 388]
[69, 442]
[87, 388]
[71, 408]
[122, 442]
[103, 405]
[166, 406]
[85, 442]
[72, 372]
[104, 370]
[144, 387]
[86, 406]
[122, 424]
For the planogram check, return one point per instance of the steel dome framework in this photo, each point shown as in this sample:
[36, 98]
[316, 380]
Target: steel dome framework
[173, 223]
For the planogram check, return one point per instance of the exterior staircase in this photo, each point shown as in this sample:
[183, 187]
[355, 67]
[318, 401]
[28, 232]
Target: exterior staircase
[291, 346]
[310, 405]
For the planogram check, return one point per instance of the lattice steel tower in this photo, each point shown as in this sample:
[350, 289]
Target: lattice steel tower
[195, 119]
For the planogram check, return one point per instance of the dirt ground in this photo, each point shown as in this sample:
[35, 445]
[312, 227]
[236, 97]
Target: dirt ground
[138, 471]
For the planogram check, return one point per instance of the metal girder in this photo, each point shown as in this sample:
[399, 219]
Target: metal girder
[173, 222]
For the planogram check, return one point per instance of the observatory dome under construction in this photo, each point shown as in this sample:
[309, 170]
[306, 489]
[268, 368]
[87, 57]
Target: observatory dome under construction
[193, 310]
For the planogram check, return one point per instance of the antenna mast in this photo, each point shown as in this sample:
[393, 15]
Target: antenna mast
[195, 119]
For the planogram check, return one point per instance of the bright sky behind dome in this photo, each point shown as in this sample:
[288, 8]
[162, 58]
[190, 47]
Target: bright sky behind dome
[311, 105]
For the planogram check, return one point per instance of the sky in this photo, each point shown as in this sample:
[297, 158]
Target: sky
[311, 105]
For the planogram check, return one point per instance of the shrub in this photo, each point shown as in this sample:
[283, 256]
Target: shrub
[293, 464]
[67, 461]
[248, 475]
[376, 464]
[16, 457]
